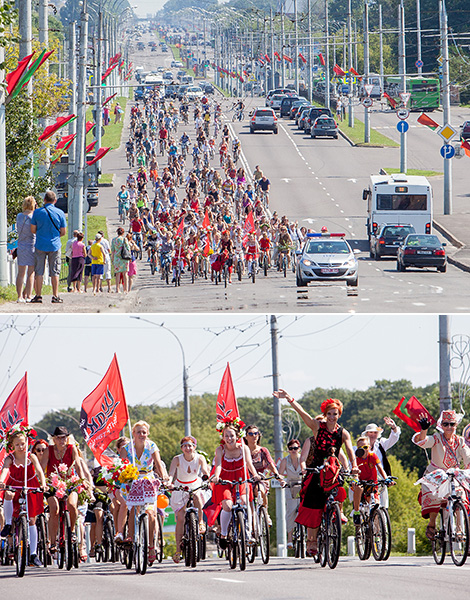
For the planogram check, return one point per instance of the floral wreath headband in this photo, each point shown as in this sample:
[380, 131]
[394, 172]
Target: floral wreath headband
[29, 432]
[236, 424]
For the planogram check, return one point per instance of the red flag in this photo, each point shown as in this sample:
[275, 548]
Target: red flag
[14, 77]
[108, 71]
[321, 59]
[65, 140]
[353, 71]
[207, 247]
[466, 146]
[276, 54]
[89, 126]
[392, 102]
[51, 129]
[411, 411]
[227, 407]
[339, 71]
[267, 58]
[425, 120]
[302, 57]
[206, 222]
[99, 155]
[288, 58]
[249, 226]
[90, 147]
[15, 410]
[108, 99]
[179, 231]
[27, 75]
[104, 411]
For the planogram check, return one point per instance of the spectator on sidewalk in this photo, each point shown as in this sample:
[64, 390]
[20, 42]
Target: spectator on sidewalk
[77, 263]
[107, 264]
[120, 264]
[97, 263]
[105, 116]
[25, 250]
[68, 258]
[87, 270]
[117, 113]
[49, 225]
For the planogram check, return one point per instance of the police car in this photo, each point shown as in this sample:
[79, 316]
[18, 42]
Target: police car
[326, 257]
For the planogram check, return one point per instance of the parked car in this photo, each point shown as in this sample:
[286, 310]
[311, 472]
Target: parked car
[387, 239]
[263, 119]
[324, 126]
[422, 250]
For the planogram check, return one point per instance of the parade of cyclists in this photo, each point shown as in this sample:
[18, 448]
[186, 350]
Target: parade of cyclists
[223, 492]
[188, 186]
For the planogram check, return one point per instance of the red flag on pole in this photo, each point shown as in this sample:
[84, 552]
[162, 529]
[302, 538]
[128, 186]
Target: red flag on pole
[302, 57]
[206, 222]
[249, 226]
[227, 407]
[15, 410]
[321, 59]
[339, 71]
[179, 231]
[90, 147]
[411, 411]
[51, 129]
[288, 58]
[353, 71]
[108, 99]
[267, 58]
[392, 101]
[99, 155]
[104, 411]
[89, 126]
[425, 120]
[13, 78]
[207, 247]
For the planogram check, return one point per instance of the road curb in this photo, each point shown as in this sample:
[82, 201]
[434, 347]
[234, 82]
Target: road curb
[447, 234]
[348, 139]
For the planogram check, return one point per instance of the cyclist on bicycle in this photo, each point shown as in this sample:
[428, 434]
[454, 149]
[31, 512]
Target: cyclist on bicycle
[252, 253]
[185, 141]
[290, 467]
[143, 491]
[257, 175]
[163, 136]
[186, 470]
[236, 147]
[448, 450]
[265, 246]
[232, 461]
[13, 474]
[369, 465]
[136, 227]
[284, 246]
[329, 436]
[264, 186]
[123, 202]
[226, 244]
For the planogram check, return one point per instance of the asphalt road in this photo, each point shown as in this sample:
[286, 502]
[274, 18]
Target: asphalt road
[293, 579]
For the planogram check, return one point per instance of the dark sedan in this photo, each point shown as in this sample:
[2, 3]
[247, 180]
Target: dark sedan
[465, 131]
[422, 250]
[387, 240]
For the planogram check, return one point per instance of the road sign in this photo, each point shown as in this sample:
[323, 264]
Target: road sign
[440, 60]
[402, 126]
[419, 64]
[367, 102]
[403, 113]
[447, 151]
[368, 87]
[446, 132]
[405, 96]
[459, 151]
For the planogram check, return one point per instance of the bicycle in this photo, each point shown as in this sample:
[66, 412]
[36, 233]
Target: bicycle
[130, 159]
[299, 533]
[106, 551]
[452, 525]
[264, 260]
[17, 546]
[153, 259]
[236, 533]
[372, 533]
[260, 528]
[159, 543]
[282, 261]
[165, 262]
[137, 238]
[190, 543]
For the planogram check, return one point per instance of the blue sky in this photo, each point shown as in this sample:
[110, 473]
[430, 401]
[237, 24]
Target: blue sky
[66, 355]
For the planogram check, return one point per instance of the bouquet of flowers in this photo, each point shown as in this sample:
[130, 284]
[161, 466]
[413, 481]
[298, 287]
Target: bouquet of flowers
[121, 472]
[63, 481]
[129, 474]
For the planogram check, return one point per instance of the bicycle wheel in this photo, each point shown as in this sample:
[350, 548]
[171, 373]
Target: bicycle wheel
[284, 266]
[21, 545]
[439, 541]
[68, 541]
[109, 553]
[378, 535]
[42, 539]
[202, 546]
[251, 552]
[362, 540]
[322, 544]
[333, 536]
[264, 535]
[253, 272]
[241, 539]
[265, 265]
[239, 270]
[142, 549]
[232, 545]
[152, 265]
[458, 533]
[191, 543]
[128, 556]
[159, 544]
[388, 534]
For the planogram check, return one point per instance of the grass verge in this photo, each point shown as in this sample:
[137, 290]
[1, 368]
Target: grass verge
[392, 170]
[106, 178]
[113, 131]
[356, 134]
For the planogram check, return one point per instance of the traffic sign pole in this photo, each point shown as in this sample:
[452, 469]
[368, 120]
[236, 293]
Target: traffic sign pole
[403, 127]
[446, 104]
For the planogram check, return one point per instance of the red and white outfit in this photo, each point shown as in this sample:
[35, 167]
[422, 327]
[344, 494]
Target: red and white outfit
[251, 251]
[53, 461]
[187, 474]
[16, 479]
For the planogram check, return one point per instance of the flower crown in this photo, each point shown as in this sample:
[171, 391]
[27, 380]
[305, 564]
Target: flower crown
[26, 430]
[236, 423]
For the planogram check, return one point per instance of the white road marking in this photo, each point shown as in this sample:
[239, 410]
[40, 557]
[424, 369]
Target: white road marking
[418, 304]
[438, 290]
[227, 580]
[353, 180]
[285, 179]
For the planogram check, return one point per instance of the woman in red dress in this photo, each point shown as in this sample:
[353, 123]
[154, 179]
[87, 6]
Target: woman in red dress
[13, 474]
[61, 453]
[230, 460]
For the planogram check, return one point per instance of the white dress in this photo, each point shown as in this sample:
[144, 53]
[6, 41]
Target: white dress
[187, 474]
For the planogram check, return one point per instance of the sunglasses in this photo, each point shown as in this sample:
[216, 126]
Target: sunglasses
[40, 450]
[294, 448]
[253, 433]
[449, 424]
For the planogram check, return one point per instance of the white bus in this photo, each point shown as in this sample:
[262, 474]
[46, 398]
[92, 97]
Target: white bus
[400, 200]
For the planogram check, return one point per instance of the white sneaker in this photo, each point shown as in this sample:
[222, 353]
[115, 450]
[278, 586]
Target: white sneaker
[21, 300]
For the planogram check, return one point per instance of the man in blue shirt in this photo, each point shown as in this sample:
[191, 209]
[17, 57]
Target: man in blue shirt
[49, 225]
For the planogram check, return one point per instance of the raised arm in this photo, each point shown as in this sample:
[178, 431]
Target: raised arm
[350, 452]
[306, 418]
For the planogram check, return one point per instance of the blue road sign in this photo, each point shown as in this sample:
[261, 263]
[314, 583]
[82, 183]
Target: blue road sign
[402, 126]
[447, 151]
[419, 64]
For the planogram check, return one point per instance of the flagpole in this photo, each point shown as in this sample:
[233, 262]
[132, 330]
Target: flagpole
[132, 441]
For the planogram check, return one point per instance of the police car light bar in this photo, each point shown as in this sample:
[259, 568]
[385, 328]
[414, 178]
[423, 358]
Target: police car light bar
[319, 235]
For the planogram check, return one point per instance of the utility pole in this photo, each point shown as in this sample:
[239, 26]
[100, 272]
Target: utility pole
[381, 49]
[445, 386]
[72, 76]
[3, 177]
[278, 445]
[99, 89]
[310, 51]
[446, 103]
[327, 59]
[273, 58]
[79, 179]
[366, 70]
[283, 41]
[265, 61]
[296, 30]
[402, 72]
[350, 65]
[418, 34]
[43, 27]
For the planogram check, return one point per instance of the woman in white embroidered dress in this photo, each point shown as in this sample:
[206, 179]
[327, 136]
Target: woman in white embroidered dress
[186, 470]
